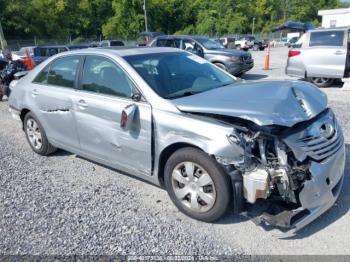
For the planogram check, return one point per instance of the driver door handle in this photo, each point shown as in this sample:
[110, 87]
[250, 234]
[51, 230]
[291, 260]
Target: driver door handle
[339, 52]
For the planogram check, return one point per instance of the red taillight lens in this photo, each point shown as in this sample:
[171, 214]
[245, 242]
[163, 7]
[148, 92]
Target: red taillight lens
[292, 53]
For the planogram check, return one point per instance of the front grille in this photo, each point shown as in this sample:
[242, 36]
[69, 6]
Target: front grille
[322, 146]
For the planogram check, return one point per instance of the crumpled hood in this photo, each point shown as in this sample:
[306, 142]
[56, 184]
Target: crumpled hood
[283, 103]
[227, 52]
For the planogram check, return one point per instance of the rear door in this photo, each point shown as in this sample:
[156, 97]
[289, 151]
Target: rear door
[325, 56]
[105, 91]
[52, 92]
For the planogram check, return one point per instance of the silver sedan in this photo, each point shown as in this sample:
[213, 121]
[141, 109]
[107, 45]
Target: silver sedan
[174, 119]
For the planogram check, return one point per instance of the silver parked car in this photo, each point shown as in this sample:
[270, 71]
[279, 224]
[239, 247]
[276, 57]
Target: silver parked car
[321, 56]
[178, 121]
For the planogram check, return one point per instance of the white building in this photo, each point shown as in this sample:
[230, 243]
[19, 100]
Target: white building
[335, 17]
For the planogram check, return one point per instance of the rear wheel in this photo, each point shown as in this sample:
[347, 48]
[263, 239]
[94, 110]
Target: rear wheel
[197, 185]
[321, 81]
[36, 136]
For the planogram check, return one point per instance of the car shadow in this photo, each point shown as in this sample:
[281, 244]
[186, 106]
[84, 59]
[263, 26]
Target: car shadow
[248, 76]
[340, 209]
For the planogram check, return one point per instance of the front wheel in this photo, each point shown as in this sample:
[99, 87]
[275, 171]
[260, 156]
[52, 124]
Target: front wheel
[197, 184]
[36, 136]
[321, 81]
[222, 66]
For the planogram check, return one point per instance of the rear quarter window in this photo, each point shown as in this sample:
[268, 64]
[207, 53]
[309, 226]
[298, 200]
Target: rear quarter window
[328, 38]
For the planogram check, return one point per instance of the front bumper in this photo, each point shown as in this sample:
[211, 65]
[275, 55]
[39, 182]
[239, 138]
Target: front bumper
[320, 193]
[240, 68]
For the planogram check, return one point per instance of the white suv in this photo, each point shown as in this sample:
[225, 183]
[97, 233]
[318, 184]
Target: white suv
[321, 56]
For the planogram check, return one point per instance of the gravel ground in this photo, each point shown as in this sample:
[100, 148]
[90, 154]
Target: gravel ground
[64, 204]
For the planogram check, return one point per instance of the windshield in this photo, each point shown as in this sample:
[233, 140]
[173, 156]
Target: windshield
[210, 44]
[173, 75]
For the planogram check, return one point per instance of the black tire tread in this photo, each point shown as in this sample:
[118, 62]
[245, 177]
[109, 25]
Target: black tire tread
[221, 180]
[47, 148]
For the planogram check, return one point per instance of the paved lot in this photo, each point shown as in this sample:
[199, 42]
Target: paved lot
[67, 205]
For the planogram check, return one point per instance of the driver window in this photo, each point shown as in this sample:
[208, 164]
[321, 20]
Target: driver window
[101, 75]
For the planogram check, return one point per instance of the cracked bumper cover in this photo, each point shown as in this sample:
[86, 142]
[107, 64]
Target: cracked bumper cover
[320, 193]
[317, 196]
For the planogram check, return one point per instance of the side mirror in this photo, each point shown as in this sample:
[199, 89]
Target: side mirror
[127, 116]
[136, 97]
[20, 74]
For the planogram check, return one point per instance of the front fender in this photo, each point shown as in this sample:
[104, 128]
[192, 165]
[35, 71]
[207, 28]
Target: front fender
[205, 133]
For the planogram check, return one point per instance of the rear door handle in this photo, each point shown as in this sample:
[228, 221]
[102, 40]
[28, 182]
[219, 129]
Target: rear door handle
[35, 92]
[82, 104]
[339, 52]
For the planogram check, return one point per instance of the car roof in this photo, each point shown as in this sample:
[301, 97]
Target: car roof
[330, 29]
[126, 51]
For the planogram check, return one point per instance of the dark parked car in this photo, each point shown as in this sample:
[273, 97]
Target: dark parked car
[3, 63]
[292, 41]
[233, 61]
[78, 46]
[40, 53]
[109, 43]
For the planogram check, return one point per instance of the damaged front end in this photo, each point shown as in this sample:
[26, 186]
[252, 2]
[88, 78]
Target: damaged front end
[288, 176]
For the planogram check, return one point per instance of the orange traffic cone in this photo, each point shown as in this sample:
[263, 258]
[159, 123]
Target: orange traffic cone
[267, 59]
[28, 61]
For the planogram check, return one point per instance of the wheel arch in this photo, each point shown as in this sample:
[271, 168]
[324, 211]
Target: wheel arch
[166, 153]
[24, 112]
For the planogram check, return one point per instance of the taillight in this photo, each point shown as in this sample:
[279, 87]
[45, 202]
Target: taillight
[292, 53]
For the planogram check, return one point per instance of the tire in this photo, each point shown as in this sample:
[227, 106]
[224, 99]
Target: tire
[321, 81]
[36, 136]
[222, 66]
[261, 48]
[187, 196]
[239, 74]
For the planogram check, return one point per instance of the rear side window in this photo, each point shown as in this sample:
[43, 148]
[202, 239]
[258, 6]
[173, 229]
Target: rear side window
[175, 43]
[63, 72]
[328, 38]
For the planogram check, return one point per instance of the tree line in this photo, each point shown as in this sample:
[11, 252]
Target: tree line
[124, 19]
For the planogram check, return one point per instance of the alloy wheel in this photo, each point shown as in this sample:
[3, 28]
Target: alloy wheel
[34, 134]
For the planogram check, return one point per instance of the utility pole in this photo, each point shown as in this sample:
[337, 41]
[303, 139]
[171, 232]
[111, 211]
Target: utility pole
[253, 25]
[2, 39]
[145, 11]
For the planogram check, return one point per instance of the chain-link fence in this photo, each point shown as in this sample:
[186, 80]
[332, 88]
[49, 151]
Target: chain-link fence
[16, 44]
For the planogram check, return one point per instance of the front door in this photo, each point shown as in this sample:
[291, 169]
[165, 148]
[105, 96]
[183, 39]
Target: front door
[105, 91]
[326, 54]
